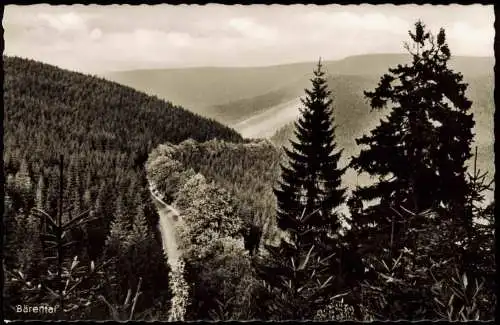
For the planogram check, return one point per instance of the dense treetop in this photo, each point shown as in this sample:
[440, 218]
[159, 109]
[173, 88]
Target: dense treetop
[247, 170]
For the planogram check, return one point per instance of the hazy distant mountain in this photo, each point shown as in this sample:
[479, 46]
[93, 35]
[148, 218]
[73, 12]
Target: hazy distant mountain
[233, 94]
[377, 64]
[198, 89]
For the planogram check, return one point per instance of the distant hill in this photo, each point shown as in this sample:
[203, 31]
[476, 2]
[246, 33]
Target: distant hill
[198, 89]
[358, 72]
[232, 95]
[377, 64]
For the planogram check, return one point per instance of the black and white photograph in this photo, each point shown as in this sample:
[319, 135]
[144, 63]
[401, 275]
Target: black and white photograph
[248, 162]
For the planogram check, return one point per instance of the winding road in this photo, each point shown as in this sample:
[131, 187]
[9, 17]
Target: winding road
[169, 216]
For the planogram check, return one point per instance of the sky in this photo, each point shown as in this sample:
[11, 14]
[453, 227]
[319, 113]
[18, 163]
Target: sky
[98, 39]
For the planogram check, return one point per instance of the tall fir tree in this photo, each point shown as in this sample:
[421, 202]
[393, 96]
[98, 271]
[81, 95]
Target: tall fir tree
[97, 230]
[120, 228]
[140, 231]
[418, 152]
[24, 184]
[299, 272]
[312, 179]
[40, 193]
[73, 196]
[52, 193]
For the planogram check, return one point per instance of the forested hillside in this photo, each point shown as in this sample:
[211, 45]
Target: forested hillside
[104, 132]
[224, 194]
[240, 109]
[248, 171]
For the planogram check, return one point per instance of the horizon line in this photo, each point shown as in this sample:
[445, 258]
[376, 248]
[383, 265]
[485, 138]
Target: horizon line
[104, 73]
[281, 64]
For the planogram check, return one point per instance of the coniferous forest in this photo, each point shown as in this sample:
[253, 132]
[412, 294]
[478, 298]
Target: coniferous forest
[122, 206]
[104, 132]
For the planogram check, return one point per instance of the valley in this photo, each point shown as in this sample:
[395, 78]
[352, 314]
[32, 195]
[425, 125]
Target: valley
[263, 102]
[251, 119]
[265, 124]
[260, 102]
[180, 163]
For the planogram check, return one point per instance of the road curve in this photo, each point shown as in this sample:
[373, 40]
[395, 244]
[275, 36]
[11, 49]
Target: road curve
[168, 218]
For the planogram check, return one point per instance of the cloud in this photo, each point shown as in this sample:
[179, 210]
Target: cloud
[64, 22]
[467, 40]
[96, 38]
[248, 28]
[150, 38]
[95, 34]
[346, 20]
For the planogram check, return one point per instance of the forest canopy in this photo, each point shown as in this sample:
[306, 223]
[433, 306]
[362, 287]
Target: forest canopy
[104, 131]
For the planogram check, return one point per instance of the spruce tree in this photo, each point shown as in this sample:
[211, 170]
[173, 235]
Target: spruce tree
[301, 272]
[75, 197]
[97, 230]
[52, 193]
[23, 183]
[312, 179]
[40, 192]
[418, 152]
[120, 228]
[140, 231]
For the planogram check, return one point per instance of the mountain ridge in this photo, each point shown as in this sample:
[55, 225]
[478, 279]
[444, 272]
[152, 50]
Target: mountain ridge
[209, 91]
[298, 63]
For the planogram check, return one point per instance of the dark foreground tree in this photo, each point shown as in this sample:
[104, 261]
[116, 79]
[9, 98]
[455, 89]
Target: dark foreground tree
[418, 152]
[417, 231]
[311, 181]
